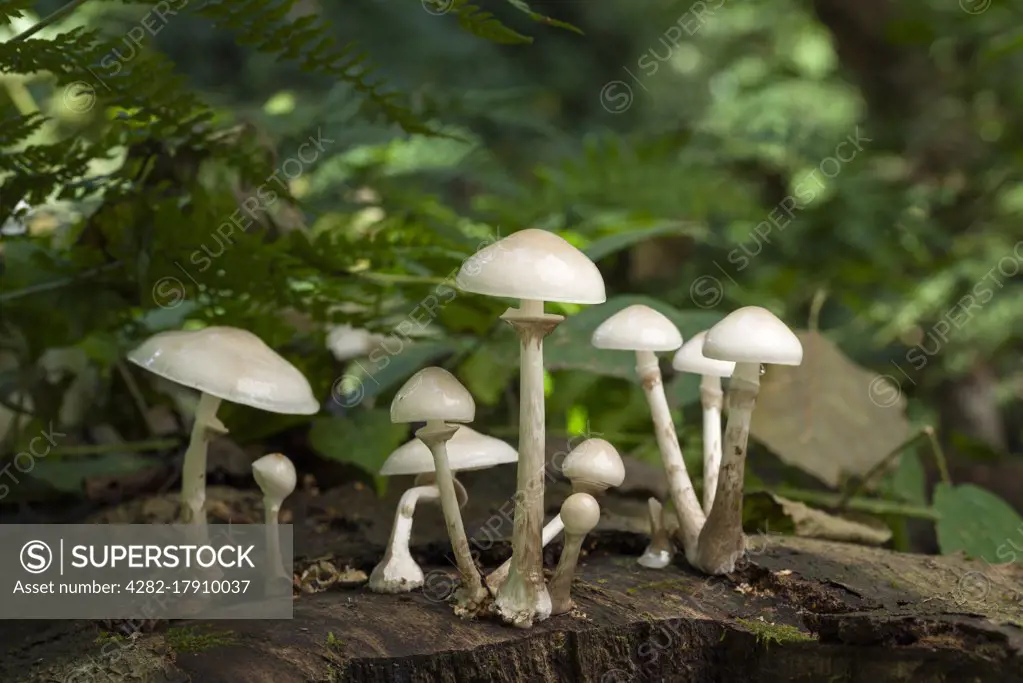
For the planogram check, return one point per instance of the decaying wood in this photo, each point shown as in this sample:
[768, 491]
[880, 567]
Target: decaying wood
[797, 610]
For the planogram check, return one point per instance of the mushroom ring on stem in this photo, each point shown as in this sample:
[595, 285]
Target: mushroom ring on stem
[225, 364]
[580, 512]
[275, 475]
[749, 337]
[643, 330]
[593, 467]
[532, 266]
[435, 397]
[467, 450]
[690, 359]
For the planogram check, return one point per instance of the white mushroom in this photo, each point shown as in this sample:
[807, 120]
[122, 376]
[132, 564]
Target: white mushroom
[435, 397]
[275, 475]
[690, 358]
[346, 342]
[467, 450]
[223, 363]
[749, 336]
[643, 330]
[593, 467]
[661, 550]
[580, 512]
[532, 266]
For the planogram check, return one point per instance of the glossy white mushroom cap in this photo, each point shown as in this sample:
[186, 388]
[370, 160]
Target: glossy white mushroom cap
[467, 450]
[753, 335]
[533, 264]
[594, 462]
[433, 394]
[580, 513]
[229, 363]
[690, 358]
[275, 475]
[637, 328]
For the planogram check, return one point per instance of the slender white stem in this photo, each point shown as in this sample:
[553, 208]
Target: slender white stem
[711, 400]
[271, 513]
[436, 435]
[687, 506]
[561, 582]
[523, 597]
[193, 469]
[550, 532]
[397, 572]
[659, 552]
[722, 542]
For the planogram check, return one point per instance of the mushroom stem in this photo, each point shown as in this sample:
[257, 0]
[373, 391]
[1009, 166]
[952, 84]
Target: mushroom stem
[436, 435]
[271, 512]
[397, 572]
[561, 582]
[659, 553]
[193, 470]
[523, 598]
[711, 400]
[550, 532]
[722, 542]
[687, 506]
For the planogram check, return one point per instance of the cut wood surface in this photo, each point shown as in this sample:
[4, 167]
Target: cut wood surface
[797, 610]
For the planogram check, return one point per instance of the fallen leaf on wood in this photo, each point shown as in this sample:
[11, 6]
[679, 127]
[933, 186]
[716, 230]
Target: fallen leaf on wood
[829, 416]
[775, 513]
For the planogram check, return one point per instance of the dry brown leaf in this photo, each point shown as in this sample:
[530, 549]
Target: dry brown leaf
[829, 416]
[819, 524]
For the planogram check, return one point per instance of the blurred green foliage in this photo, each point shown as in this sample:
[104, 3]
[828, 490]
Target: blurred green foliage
[240, 163]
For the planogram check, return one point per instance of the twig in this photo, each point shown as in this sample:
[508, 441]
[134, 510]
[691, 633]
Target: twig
[52, 18]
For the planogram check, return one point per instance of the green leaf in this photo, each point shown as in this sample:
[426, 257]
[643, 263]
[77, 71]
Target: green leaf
[489, 370]
[683, 390]
[569, 347]
[363, 438]
[536, 16]
[613, 244]
[977, 522]
[908, 482]
[68, 475]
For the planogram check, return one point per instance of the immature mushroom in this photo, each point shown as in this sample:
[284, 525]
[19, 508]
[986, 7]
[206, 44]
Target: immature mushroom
[593, 467]
[276, 478]
[659, 552]
[533, 266]
[224, 363]
[467, 450]
[643, 330]
[690, 358]
[580, 512]
[748, 336]
[435, 397]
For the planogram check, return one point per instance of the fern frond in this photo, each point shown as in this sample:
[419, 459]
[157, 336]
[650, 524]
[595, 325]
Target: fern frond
[477, 21]
[521, 6]
[267, 26]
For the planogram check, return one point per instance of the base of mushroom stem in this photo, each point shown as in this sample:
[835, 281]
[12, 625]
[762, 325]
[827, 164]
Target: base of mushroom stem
[468, 607]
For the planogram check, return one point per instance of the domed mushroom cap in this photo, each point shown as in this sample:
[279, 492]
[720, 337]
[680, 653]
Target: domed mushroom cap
[232, 364]
[533, 264]
[275, 475]
[637, 328]
[753, 335]
[595, 462]
[467, 450]
[690, 358]
[580, 513]
[433, 394]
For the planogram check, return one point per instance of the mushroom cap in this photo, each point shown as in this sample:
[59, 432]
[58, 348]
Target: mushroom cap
[690, 358]
[346, 342]
[275, 475]
[753, 334]
[229, 363]
[467, 450]
[637, 328]
[533, 264]
[595, 462]
[580, 513]
[433, 394]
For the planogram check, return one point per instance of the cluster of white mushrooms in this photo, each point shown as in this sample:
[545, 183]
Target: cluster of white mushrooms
[533, 267]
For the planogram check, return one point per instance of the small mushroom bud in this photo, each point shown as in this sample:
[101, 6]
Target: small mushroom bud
[276, 478]
[580, 513]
